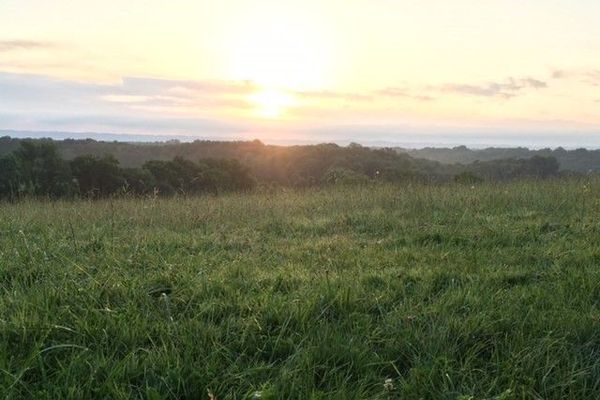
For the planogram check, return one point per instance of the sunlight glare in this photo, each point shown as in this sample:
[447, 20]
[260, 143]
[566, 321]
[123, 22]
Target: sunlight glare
[276, 52]
[271, 103]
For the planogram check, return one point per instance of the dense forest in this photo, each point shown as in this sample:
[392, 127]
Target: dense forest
[579, 160]
[89, 168]
[36, 169]
[135, 154]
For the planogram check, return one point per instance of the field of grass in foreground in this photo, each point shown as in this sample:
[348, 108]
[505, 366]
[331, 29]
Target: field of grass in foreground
[452, 292]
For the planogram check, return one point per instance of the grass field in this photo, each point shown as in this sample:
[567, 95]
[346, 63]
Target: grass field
[380, 292]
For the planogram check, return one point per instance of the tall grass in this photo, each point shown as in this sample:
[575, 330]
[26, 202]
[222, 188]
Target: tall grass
[375, 292]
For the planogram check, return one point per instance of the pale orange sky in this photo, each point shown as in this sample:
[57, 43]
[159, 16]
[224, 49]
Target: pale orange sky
[286, 68]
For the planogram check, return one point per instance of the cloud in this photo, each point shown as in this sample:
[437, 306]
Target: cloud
[593, 77]
[403, 92]
[134, 104]
[14, 45]
[587, 76]
[560, 74]
[151, 92]
[34, 90]
[331, 95]
[142, 124]
[533, 83]
[367, 96]
[184, 88]
[160, 106]
[125, 98]
[508, 89]
[575, 73]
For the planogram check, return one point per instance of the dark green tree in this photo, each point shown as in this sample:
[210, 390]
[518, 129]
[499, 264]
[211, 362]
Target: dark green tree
[42, 172]
[97, 176]
[138, 181]
[9, 177]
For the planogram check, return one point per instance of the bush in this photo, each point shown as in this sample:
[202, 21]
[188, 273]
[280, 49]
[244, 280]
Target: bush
[467, 177]
[343, 176]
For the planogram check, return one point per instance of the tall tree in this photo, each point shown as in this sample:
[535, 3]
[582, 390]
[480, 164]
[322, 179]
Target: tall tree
[9, 177]
[42, 171]
[97, 176]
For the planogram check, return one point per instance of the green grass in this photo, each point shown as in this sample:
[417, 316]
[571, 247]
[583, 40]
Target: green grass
[453, 292]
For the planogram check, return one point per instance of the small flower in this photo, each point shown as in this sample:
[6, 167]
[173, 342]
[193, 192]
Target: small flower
[211, 396]
[257, 395]
[388, 385]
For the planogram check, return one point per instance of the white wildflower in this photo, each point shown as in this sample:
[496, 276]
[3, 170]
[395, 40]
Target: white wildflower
[388, 384]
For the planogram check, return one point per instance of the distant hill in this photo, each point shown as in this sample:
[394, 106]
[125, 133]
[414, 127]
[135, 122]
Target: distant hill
[302, 165]
[579, 160]
[134, 150]
[289, 165]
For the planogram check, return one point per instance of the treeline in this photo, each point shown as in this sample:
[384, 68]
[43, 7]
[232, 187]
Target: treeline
[254, 153]
[536, 167]
[36, 169]
[578, 160]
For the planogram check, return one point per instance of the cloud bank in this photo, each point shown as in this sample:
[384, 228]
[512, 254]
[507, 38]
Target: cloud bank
[142, 105]
[508, 89]
[12, 45]
[133, 105]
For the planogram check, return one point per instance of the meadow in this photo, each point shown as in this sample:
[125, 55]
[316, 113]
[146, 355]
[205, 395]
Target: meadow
[383, 291]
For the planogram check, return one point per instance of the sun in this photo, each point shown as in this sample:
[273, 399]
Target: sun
[280, 53]
[271, 103]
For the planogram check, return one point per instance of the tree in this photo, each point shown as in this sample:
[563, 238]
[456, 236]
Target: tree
[97, 177]
[138, 180]
[225, 175]
[42, 172]
[541, 167]
[9, 177]
[179, 175]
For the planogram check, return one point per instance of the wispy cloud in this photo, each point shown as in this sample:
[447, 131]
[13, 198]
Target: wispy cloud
[148, 124]
[184, 88]
[362, 97]
[507, 89]
[13, 45]
[141, 104]
[588, 76]
[36, 89]
[332, 95]
[151, 92]
[593, 77]
[560, 74]
[403, 92]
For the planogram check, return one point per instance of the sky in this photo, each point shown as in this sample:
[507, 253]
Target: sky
[521, 72]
